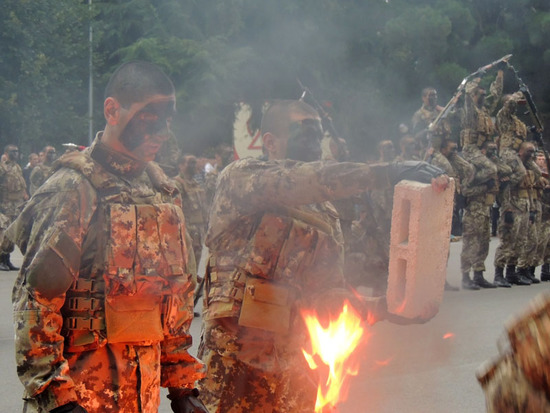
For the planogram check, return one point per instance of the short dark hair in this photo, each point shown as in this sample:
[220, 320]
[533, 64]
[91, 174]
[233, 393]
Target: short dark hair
[277, 117]
[10, 147]
[136, 81]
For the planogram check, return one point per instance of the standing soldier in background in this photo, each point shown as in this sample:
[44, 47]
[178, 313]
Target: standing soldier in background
[27, 170]
[535, 184]
[104, 300]
[514, 208]
[477, 137]
[195, 208]
[421, 120]
[43, 170]
[13, 194]
[480, 195]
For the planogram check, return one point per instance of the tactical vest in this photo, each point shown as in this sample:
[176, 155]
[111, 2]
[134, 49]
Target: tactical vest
[136, 289]
[261, 280]
[515, 136]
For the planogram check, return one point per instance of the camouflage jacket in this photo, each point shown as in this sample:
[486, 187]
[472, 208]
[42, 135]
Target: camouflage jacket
[485, 171]
[194, 203]
[511, 129]
[12, 184]
[61, 234]
[249, 191]
[39, 174]
[518, 175]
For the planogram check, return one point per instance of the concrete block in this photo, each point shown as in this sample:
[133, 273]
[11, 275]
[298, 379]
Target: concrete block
[419, 249]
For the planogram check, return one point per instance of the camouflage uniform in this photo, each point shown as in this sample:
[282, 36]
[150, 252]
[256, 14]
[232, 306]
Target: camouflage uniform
[514, 212]
[13, 190]
[39, 174]
[103, 302]
[535, 211]
[421, 121]
[518, 380]
[13, 193]
[195, 211]
[275, 247]
[476, 220]
[543, 247]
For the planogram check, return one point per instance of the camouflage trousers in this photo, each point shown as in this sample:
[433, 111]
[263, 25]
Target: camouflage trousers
[543, 247]
[512, 231]
[476, 236]
[533, 234]
[507, 389]
[251, 370]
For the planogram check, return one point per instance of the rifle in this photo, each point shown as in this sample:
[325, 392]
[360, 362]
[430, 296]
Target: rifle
[325, 117]
[459, 92]
[538, 127]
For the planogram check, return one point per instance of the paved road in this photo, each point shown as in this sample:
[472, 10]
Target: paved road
[404, 369]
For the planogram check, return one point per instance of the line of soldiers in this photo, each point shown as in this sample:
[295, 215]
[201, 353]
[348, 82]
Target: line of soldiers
[497, 165]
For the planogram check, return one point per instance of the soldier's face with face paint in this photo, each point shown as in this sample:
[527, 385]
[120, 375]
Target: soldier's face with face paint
[304, 140]
[148, 126]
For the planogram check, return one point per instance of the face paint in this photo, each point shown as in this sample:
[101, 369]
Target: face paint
[304, 142]
[152, 120]
[432, 99]
[50, 155]
[13, 154]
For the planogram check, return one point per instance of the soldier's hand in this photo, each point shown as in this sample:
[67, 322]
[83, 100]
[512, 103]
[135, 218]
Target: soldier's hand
[187, 401]
[417, 171]
[440, 183]
[72, 407]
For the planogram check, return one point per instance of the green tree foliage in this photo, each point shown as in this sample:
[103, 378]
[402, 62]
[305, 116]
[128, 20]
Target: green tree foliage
[369, 58]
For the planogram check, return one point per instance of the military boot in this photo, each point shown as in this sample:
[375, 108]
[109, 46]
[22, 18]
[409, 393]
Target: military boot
[3, 265]
[513, 277]
[482, 282]
[530, 273]
[499, 280]
[545, 272]
[520, 277]
[467, 283]
[8, 263]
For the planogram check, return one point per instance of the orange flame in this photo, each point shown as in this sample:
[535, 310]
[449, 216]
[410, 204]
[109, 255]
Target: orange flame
[448, 335]
[333, 346]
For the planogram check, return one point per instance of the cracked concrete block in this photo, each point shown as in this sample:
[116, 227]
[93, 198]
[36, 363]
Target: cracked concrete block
[419, 248]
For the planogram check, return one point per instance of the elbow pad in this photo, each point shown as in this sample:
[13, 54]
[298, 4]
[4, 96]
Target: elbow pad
[54, 268]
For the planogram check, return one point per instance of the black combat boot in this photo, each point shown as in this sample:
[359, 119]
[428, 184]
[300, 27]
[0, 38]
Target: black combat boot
[520, 277]
[499, 280]
[3, 265]
[9, 264]
[482, 282]
[530, 273]
[513, 277]
[545, 272]
[467, 283]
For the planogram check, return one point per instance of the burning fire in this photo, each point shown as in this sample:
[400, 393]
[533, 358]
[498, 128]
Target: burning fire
[333, 346]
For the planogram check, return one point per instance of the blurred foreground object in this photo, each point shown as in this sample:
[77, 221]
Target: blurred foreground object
[419, 247]
[519, 379]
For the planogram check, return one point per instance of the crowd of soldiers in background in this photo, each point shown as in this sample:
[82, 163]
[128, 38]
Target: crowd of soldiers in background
[500, 175]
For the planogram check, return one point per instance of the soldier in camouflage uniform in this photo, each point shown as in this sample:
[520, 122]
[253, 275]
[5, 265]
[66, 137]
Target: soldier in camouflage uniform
[480, 195]
[514, 218]
[104, 300]
[276, 247]
[42, 171]
[536, 183]
[195, 208]
[422, 119]
[13, 194]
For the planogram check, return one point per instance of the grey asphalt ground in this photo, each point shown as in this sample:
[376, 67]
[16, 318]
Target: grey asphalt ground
[404, 368]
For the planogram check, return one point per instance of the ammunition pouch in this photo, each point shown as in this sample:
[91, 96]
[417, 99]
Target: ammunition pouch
[266, 305]
[131, 319]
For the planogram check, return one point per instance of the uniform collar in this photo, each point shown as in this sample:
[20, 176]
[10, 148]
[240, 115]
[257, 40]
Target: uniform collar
[115, 162]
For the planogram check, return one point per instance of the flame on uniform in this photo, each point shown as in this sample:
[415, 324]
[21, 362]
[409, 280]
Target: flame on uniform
[333, 346]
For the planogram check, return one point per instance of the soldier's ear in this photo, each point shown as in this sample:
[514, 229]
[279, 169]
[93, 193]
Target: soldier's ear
[268, 140]
[111, 110]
